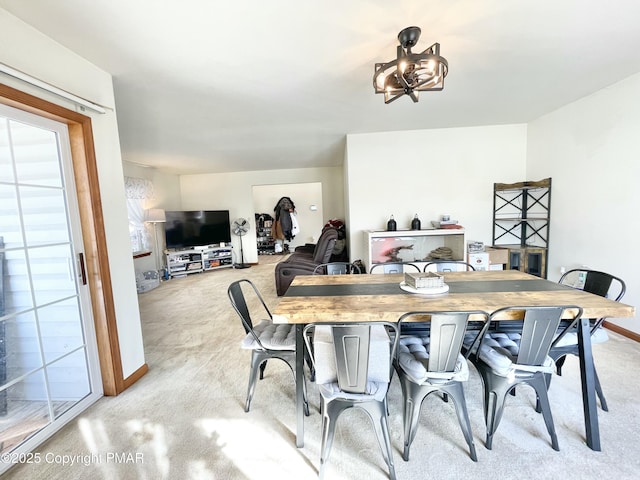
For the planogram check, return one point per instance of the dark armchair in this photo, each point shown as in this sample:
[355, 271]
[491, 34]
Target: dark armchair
[304, 263]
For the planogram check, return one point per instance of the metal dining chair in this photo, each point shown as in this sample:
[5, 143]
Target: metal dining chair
[432, 362]
[393, 267]
[265, 339]
[514, 350]
[353, 364]
[336, 268]
[598, 283]
[448, 266]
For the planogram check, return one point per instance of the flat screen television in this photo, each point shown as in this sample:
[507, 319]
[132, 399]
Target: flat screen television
[197, 228]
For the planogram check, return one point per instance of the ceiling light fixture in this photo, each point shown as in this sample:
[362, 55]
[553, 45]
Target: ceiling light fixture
[410, 73]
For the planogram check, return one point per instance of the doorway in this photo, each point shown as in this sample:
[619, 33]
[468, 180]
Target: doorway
[49, 367]
[307, 198]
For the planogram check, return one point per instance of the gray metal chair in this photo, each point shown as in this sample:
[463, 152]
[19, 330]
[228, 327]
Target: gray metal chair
[336, 268]
[449, 266]
[431, 362]
[598, 283]
[394, 267]
[353, 364]
[514, 349]
[266, 340]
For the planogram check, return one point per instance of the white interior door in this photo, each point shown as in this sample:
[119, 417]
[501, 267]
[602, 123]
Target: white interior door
[49, 370]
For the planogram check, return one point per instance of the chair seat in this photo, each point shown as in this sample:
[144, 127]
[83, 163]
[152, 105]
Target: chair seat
[273, 336]
[571, 338]
[376, 391]
[500, 350]
[413, 358]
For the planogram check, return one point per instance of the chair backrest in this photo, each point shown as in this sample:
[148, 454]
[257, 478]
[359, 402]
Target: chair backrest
[336, 268]
[446, 334]
[393, 267]
[324, 247]
[449, 266]
[596, 282]
[236, 292]
[352, 354]
[352, 343]
[537, 326]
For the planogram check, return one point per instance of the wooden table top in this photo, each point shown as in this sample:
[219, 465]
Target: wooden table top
[348, 298]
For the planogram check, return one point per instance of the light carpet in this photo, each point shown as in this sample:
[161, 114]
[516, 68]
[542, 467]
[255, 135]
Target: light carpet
[185, 418]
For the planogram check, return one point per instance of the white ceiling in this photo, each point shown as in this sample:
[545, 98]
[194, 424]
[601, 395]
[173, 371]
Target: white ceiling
[211, 86]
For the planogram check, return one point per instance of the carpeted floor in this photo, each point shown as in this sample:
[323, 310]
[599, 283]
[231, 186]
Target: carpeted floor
[185, 418]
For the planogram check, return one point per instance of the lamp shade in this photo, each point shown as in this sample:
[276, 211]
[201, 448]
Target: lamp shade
[154, 215]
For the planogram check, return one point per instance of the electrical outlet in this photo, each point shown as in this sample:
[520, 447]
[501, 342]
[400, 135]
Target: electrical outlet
[563, 270]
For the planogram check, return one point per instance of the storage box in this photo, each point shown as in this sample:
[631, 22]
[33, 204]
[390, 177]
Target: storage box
[424, 280]
[497, 255]
[475, 247]
[480, 261]
[146, 281]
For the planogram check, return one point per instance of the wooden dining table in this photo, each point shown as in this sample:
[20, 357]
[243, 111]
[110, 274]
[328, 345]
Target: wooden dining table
[357, 298]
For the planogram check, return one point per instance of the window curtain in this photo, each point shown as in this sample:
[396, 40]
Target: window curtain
[139, 192]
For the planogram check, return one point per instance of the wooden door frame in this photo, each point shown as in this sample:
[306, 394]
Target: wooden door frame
[91, 216]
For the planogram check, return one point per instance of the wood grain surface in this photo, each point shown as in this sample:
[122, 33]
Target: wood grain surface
[380, 297]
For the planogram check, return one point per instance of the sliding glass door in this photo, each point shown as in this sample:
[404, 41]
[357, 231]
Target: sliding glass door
[48, 357]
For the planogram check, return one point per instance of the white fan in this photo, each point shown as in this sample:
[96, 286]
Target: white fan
[240, 227]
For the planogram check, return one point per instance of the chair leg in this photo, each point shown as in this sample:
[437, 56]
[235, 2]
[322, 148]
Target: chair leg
[312, 370]
[411, 418]
[378, 413]
[547, 379]
[330, 413]
[256, 365]
[456, 392]
[305, 398]
[540, 386]
[262, 367]
[603, 401]
[495, 392]
[559, 364]
[599, 392]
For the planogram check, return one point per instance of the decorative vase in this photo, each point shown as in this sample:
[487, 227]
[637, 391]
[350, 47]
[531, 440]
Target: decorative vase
[391, 225]
[415, 223]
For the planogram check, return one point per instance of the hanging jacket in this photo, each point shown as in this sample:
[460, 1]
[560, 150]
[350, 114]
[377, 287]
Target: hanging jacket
[283, 209]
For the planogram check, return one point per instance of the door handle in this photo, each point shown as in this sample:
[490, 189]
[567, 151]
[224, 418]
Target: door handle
[81, 269]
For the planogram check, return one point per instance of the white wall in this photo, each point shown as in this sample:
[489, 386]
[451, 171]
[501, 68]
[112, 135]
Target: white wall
[26, 49]
[233, 192]
[591, 150]
[429, 172]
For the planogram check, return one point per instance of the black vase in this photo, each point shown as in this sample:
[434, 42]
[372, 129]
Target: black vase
[415, 223]
[391, 225]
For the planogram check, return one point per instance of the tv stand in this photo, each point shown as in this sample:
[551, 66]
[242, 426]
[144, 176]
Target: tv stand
[181, 263]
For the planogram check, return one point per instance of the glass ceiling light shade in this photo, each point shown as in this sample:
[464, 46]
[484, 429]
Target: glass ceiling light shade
[410, 73]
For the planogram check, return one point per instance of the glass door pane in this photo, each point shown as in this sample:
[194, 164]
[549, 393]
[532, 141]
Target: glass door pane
[48, 360]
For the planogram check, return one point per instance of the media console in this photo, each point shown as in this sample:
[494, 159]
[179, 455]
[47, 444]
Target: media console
[194, 260]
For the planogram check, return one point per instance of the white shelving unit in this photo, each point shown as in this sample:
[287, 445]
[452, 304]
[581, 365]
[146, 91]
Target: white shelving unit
[195, 260]
[412, 245]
